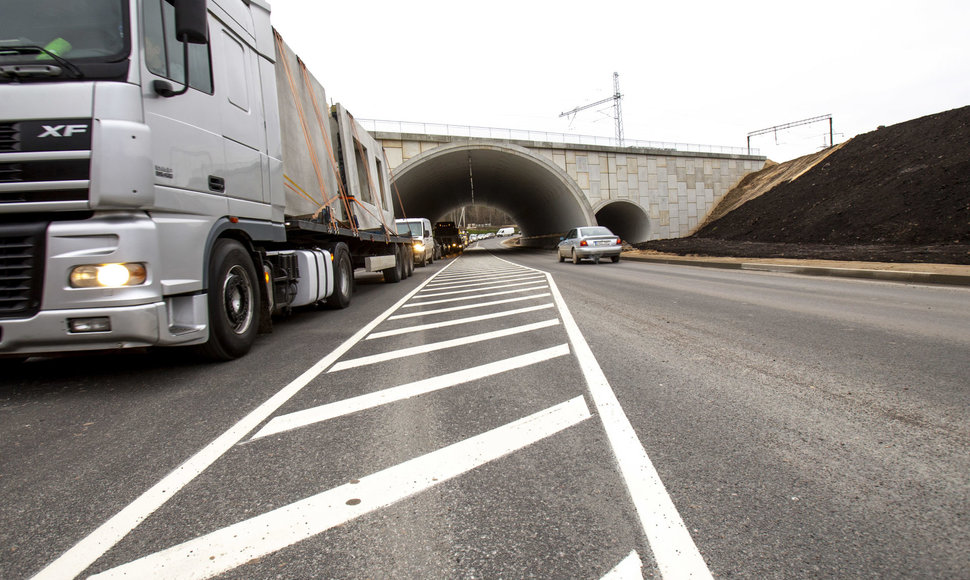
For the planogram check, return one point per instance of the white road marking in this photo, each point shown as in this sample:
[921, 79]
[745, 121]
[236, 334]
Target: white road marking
[353, 405]
[629, 567]
[468, 306]
[674, 550]
[475, 297]
[458, 321]
[425, 348]
[482, 281]
[230, 547]
[94, 545]
[451, 292]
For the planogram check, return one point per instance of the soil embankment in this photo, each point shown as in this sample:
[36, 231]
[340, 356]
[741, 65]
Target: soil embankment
[897, 194]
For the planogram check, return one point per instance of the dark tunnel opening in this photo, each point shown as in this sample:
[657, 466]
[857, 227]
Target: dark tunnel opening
[540, 198]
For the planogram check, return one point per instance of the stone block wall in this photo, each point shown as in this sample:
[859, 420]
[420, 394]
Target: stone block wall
[675, 189]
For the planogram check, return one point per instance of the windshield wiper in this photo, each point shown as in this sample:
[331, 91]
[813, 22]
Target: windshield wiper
[24, 70]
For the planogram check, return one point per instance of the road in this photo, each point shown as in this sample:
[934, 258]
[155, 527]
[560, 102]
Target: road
[505, 415]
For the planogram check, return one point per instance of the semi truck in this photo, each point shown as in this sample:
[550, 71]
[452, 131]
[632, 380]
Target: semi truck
[172, 175]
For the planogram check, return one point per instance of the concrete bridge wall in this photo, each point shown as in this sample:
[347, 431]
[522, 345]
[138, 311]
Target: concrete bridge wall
[673, 189]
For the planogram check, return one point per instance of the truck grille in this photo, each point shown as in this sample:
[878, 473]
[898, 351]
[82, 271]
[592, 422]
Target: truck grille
[9, 137]
[21, 269]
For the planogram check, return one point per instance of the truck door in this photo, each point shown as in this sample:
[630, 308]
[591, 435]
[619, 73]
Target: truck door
[240, 109]
[187, 148]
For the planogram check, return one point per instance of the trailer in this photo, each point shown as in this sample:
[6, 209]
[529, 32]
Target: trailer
[171, 175]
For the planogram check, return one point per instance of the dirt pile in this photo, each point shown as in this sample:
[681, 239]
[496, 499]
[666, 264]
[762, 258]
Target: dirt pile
[897, 194]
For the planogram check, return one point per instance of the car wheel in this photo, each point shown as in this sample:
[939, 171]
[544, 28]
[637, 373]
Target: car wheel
[233, 301]
[561, 257]
[615, 259]
[575, 257]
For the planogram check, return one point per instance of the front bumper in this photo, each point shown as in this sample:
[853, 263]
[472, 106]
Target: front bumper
[156, 324]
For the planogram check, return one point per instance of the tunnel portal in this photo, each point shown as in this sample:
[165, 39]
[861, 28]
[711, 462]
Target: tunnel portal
[538, 195]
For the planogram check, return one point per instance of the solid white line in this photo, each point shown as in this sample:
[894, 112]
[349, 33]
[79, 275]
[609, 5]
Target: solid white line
[629, 567]
[674, 550]
[468, 306]
[353, 405]
[475, 297]
[426, 348]
[475, 290]
[458, 321]
[94, 545]
[230, 547]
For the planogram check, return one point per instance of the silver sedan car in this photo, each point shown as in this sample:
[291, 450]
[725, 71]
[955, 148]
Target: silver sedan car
[593, 242]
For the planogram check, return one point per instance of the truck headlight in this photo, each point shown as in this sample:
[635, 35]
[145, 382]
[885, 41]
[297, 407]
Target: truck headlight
[108, 275]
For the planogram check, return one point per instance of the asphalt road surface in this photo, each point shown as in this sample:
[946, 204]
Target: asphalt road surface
[505, 415]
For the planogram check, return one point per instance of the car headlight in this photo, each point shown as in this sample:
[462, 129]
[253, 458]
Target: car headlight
[108, 275]
[418, 247]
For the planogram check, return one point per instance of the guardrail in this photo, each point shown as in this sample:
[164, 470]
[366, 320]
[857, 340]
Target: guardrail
[527, 135]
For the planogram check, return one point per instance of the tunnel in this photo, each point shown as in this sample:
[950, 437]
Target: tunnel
[538, 195]
[625, 219]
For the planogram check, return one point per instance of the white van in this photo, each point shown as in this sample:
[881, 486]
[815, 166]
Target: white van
[502, 232]
[420, 231]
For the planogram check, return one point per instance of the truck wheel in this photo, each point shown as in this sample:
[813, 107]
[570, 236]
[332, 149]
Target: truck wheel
[409, 261]
[233, 300]
[393, 274]
[343, 278]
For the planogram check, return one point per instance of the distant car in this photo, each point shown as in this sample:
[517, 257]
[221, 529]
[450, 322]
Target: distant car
[593, 242]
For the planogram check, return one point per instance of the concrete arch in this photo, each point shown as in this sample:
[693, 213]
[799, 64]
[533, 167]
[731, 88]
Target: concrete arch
[536, 193]
[625, 219]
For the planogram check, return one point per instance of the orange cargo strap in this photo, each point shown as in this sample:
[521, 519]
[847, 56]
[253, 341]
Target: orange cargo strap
[370, 182]
[333, 161]
[303, 124]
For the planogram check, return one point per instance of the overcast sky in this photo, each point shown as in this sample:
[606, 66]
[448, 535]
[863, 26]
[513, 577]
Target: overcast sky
[704, 72]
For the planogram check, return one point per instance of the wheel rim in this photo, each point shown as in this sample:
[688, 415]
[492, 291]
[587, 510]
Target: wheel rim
[238, 299]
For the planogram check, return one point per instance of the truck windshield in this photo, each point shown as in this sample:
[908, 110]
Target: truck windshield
[85, 38]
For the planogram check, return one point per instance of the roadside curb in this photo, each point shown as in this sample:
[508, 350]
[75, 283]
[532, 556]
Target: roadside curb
[867, 274]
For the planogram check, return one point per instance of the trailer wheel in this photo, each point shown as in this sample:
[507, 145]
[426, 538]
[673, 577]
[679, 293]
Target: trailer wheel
[394, 273]
[233, 300]
[343, 278]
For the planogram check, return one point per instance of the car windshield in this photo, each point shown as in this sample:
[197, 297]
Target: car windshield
[412, 229]
[84, 32]
[598, 231]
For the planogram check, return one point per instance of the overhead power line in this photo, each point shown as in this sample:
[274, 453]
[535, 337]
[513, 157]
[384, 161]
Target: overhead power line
[777, 128]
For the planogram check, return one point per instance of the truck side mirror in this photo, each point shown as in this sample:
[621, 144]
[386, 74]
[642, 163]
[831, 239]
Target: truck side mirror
[190, 21]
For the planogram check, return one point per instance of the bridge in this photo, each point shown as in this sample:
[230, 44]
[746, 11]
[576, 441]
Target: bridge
[550, 182]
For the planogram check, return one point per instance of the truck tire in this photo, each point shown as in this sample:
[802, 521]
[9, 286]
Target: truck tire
[409, 261]
[393, 274]
[343, 278]
[233, 300]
